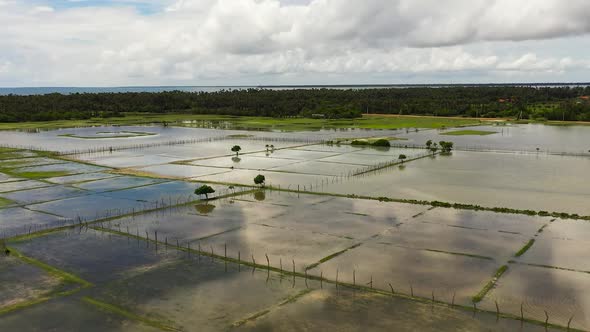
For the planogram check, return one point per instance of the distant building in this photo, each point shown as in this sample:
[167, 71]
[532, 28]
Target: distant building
[318, 115]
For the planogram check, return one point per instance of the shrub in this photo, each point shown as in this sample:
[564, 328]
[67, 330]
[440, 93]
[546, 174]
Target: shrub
[381, 142]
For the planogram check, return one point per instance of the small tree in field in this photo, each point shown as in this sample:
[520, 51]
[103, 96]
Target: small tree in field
[259, 180]
[434, 148]
[236, 149]
[446, 147]
[204, 190]
[402, 157]
[429, 144]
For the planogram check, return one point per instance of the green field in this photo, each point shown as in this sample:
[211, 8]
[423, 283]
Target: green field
[469, 133]
[249, 122]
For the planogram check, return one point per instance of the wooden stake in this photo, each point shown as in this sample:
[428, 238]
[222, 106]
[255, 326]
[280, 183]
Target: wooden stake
[546, 318]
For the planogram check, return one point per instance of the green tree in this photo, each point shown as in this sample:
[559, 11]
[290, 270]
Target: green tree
[434, 148]
[446, 147]
[260, 180]
[382, 142]
[236, 149]
[428, 144]
[204, 190]
[402, 157]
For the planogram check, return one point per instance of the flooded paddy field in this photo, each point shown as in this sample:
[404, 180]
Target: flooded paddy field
[333, 239]
[553, 139]
[18, 220]
[21, 283]
[222, 294]
[539, 291]
[520, 181]
[70, 314]
[346, 310]
[94, 256]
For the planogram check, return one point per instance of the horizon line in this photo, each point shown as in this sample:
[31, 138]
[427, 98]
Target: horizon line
[297, 85]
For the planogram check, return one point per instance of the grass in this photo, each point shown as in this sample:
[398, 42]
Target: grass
[42, 175]
[14, 154]
[327, 258]
[5, 202]
[525, 248]
[127, 314]
[477, 298]
[469, 132]
[459, 254]
[250, 122]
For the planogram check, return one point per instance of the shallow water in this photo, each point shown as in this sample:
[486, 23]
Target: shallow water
[200, 295]
[520, 181]
[345, 310]
[31, 196]
[21, 185]
[94, 256]
[528, 137]
[20, 282]
[561, 293]
[18, 220]
[69, 314]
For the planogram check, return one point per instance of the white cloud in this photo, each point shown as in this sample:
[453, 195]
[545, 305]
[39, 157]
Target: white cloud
[244, 41]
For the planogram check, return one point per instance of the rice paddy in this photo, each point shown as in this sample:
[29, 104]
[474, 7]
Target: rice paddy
[101, 230]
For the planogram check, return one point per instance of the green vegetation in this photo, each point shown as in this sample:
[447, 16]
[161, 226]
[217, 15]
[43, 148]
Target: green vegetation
[251, 122]
[469, 132]
[402, 157]
[446, 147]
[5, 202]
[525, 248]
[378, 142]
[381, 142]
[482, 293]
[260, 180]
[41, 175]
[552, 103]
[460, 254]
[327, 258]
[433, 147]
[236, 149]
[204, 190]
[122, 134]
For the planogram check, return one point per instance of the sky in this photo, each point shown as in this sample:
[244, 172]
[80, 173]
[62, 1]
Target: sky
[272, 42]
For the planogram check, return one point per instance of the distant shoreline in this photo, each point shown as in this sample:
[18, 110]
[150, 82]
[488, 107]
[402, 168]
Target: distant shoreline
[215, 88]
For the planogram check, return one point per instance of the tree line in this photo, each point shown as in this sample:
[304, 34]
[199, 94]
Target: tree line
[551, 103]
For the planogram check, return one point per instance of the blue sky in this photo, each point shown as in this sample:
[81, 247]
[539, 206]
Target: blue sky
[144, 7]
[252, 42]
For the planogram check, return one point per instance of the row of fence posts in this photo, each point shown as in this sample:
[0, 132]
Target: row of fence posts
[200, 251]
